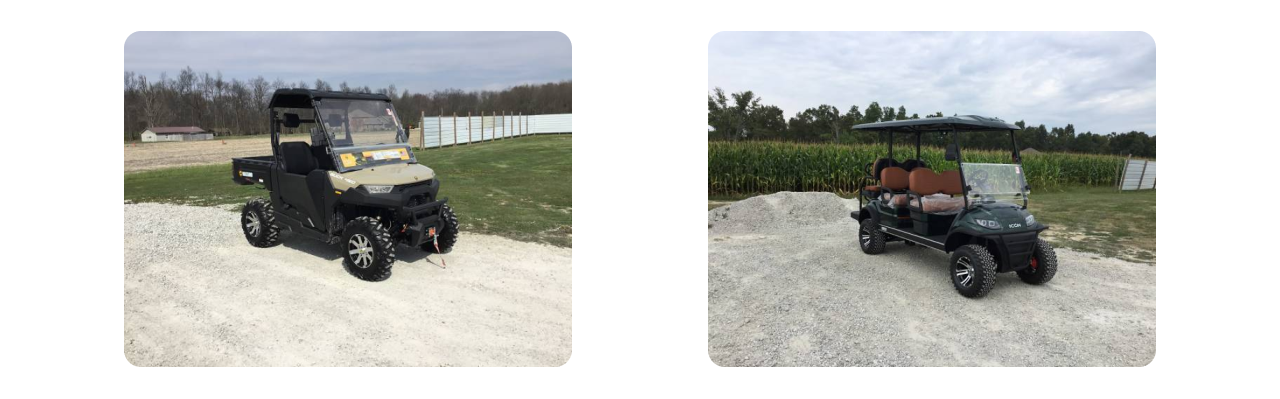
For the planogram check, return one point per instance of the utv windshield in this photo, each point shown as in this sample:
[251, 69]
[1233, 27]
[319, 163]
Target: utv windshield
[363, 133]
[991, 182]
[359, 123]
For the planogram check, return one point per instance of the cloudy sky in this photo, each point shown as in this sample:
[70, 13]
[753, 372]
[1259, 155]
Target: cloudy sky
[1101, 82]
[418, 61]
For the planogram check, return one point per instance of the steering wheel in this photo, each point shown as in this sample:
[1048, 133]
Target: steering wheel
[979, 181]
[979, 178]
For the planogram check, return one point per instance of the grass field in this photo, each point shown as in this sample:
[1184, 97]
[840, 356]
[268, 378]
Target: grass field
[520, 188]
[1091, 219]
[1100, 220]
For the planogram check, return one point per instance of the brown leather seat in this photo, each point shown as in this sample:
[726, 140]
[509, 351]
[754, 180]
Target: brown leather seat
[935, 191]
[897, 181]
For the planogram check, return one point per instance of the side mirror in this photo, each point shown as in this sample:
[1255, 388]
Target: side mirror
[292, 120]
[953, 152]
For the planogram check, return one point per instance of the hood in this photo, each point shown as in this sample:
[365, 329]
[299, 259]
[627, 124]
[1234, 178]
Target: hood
[393, 174]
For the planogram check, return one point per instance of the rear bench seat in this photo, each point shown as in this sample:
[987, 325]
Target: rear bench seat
[877, 169]
[897, 181]
[935, 191]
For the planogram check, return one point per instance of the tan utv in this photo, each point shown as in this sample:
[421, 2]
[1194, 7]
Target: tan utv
[357, 183]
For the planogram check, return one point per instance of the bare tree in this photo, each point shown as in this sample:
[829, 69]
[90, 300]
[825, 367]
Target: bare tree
[235, 107]
[155, 110]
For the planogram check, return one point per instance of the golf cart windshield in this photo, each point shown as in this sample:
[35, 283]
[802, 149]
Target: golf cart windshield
[359, 123]
[991, 182]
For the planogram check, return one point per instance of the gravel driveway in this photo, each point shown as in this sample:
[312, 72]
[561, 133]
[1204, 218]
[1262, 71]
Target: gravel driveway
[789, 287]
[196, 294]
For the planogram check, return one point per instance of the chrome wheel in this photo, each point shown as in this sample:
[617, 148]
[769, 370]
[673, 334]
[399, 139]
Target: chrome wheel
[864, 236]
[964, 271]
[361, 251]
[252, 224]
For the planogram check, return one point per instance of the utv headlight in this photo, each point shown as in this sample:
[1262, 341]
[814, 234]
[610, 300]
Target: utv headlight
[1031, 220]
[990, 224]
[377, 189]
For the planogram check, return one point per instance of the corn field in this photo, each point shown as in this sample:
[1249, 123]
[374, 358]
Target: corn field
[766, 167]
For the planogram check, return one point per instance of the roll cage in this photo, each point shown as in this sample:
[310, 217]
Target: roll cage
[309, 99]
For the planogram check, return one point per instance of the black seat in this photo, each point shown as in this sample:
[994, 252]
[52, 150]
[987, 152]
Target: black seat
[912, 164]
[297, 157]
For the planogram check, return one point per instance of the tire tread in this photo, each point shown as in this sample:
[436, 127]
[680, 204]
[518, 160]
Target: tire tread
[385, 255]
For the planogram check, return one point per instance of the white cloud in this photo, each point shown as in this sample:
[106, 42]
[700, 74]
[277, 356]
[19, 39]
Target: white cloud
[1101, 82]
[418, 61]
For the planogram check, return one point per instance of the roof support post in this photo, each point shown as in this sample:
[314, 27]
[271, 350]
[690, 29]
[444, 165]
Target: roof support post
[918, 134]
[964, 185]
[891, 145]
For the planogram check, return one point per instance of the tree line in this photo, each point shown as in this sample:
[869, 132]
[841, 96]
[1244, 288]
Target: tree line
[742, 116]
[238, 107]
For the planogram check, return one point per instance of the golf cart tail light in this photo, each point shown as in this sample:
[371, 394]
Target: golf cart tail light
[990, 224]
[378, 189]
[1031, 219]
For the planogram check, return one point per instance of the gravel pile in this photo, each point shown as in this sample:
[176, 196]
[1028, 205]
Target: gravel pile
[197, 294]
[784, 209]
[789, 287]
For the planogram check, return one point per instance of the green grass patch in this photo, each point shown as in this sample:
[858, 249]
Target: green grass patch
[518, 188]
[1100, 220]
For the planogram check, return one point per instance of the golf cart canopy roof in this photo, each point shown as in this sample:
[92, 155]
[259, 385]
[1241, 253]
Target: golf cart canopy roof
[301, 98]
[946, 123]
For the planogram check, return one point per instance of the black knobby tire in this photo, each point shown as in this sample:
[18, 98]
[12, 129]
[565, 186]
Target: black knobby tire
[367, 249]
[258, 221]
[1044, 264]
[870, 238]
[448, 234]
[979, 267]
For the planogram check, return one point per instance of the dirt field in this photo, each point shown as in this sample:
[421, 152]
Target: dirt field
[204, 297]
[788, 286]
[147, 156]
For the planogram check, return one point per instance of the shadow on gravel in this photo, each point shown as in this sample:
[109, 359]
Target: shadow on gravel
[936, 264]
[309, 246]
[405, 255]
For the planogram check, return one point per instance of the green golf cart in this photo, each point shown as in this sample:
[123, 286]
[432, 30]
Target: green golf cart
[976, 212]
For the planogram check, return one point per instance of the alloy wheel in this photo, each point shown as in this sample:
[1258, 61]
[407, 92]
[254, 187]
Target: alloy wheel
[253, 225]
[964, 271]
[361, 251]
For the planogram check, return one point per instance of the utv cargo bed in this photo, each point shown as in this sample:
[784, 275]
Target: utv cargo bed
[252, 170]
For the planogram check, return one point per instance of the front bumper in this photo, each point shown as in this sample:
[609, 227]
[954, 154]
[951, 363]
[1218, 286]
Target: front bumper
[422, 222]
[1016, 249]
[414, 207]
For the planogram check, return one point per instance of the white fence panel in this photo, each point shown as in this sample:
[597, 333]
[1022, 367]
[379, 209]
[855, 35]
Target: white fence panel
[1138, 175]
[440, 131]
[554, 123]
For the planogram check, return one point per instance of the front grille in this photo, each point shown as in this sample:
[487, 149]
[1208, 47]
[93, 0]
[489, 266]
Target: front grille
[417, 193]
[418, 200]
[404, 187]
